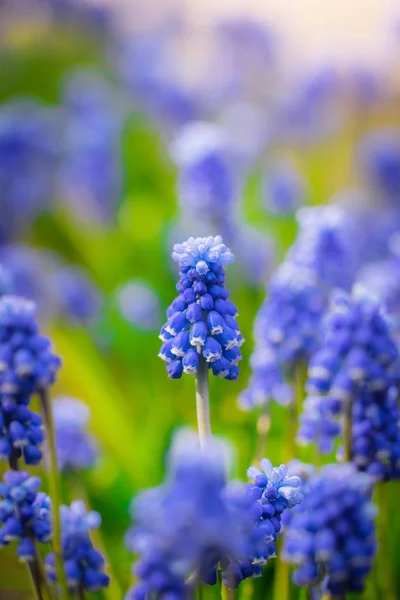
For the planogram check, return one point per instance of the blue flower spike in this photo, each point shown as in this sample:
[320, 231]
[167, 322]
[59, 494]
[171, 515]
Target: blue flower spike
[201, 320]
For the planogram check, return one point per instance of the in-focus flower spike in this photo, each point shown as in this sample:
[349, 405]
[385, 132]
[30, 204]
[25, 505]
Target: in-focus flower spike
[332, 532]
[76, 448]
[24, 513]
[267, 499]
[84, 565]
[190, 523]
[287, 330]
[357, 351]
[21, 433]
[27, 362]
[201, 317]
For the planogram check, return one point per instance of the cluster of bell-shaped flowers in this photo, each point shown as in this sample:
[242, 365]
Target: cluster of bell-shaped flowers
[267, 498]
[286, 332]
[201, 320]
[24, 513]
[83, 564]
[197, 520]
[27, 365]
[375, 445]
[331, 536]
[357, 351]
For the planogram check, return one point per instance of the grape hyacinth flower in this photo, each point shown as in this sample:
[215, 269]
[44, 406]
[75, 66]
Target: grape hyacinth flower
[27, 362]
[76, 448]
[24, 513]
[139, 305]
[287, 330]
[74, 295]
[376, 433]
[21, 434]
[27, 161]
[83, 564]
[357, 350]
[268, 497]
[332, 534]
[207, 182]
[379, 159]
[197, 520]
[283, 188]
[201, 320]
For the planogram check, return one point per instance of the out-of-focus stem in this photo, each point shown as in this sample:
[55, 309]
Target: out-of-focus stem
[203, 402]
[384, 565]
[55, 492]
[347, 427]
[263, 427]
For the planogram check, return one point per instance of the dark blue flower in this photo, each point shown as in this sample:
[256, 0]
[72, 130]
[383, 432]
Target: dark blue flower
[83, 564]
[332, 533]
[201, 317]
[24, 513]
[27, 362]
[21, 433]
[357, 350]
[76, 448]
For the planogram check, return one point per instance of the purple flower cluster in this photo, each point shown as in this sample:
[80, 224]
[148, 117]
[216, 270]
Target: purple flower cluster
[376, 433]
[201, 320]
[24, 513]
[83, 564]
[332, 534]
[186, 526]
[357, 350]
[21, 433]
[267, 498]
[27, 362]
[286, 331]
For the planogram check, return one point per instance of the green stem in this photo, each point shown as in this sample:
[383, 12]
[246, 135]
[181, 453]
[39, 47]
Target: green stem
[263, 427]
[203, 402]
[55, 492]
[384, 565]
[347, 427]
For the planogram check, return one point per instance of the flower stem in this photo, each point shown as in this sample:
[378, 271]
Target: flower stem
[203, 402]
[383, 559]
[347, 427]
[55, 491]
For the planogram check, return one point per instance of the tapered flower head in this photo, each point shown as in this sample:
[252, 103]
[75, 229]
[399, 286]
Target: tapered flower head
[201, 320]
[83, 564]
[21, 433]
[24, 513]
[27, 362]
[76, 448]
[332, 533]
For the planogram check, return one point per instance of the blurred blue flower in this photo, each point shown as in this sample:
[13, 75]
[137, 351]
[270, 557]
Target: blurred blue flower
[207, 181]
[24, 513]
[90, 174]
[83, 564]
[27, 362]
[357, 349]
[323, 244]
[287, 330]
[283, 188]
[27, 164]
[74, 295]
[139, 304]
[378, 156]
[201, 319]
[186, 526]
[21, 433]
[333, 531]
[76, 448]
